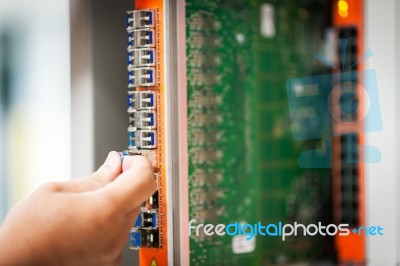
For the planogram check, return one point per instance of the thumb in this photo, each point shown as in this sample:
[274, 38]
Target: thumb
[105, 174]
[133, 186]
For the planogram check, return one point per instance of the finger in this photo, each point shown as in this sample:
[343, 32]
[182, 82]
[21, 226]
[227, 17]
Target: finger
[110, 169]
[133, 186]
[105, 174]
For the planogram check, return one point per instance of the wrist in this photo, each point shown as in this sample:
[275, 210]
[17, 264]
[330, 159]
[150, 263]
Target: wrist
[12, 251]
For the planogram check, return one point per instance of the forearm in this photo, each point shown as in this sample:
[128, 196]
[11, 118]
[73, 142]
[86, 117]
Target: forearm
[85, 222]
[18, 247]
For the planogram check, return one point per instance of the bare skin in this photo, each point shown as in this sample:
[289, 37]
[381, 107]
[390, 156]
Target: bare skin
[80, 222]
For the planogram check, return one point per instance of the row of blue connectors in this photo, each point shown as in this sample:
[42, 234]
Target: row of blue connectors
[142, 111]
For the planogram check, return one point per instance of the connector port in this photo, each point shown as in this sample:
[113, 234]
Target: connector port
[147, 139]
[139, 19]
[142, 139]
[145, 119]
[142, 238]
[141, 100]
[141, 58]
[146, 219]
[152, 202]
[149, 219]
[142, 77]
[141, 38]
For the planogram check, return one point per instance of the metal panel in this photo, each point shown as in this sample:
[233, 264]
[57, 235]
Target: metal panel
[176, 60]
[382, 178]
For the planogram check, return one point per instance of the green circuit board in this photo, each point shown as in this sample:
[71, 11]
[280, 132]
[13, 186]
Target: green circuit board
[290, 193]
[223, 185]
[242, 157]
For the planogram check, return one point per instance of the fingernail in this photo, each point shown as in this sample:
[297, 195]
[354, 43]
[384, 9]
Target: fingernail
[112, 159]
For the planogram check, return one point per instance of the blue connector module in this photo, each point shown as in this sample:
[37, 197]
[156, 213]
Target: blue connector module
[144, 119]
[147, 139]
[140, 57]
[141, 77]
[141, 38]
[139, 19]
[141, 100]
[147, 119]
[149, 219]
[144, 238]
[142, 138]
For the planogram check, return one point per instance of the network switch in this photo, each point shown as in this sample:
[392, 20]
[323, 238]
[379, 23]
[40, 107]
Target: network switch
[240, 147]
[145, 111]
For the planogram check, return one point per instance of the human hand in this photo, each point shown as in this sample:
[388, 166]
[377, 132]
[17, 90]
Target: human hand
[80, 222]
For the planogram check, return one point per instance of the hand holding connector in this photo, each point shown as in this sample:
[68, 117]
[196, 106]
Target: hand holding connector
[80, 222]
